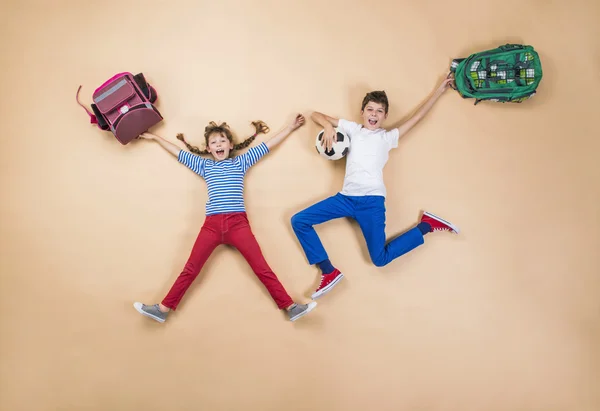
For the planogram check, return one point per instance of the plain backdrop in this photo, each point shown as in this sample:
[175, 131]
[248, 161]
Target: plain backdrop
[503, 317]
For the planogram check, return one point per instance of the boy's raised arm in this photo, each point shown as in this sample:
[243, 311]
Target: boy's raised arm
[421, 112]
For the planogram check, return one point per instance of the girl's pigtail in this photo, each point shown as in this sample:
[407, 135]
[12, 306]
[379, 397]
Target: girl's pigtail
[260, 128]
[193, 149]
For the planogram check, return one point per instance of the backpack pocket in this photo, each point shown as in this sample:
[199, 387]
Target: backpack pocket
[135, 121]
[116, 99]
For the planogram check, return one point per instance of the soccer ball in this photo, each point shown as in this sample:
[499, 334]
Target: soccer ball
[340, 147]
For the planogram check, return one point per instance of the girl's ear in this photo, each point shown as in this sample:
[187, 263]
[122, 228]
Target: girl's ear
[230, 145]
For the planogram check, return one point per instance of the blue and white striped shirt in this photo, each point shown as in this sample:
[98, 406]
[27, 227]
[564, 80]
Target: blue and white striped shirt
[225, 179]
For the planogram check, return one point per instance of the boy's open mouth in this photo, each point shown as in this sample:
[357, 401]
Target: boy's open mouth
[372, 121]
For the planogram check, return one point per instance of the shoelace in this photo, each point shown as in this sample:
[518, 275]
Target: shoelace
[441, 229]
[322, 279]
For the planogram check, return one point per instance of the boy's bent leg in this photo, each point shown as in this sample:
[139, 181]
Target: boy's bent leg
[303, 223]
[371, 219]
[240, 236]
[206, 242]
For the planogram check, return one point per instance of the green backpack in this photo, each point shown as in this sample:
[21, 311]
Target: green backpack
[509, 73]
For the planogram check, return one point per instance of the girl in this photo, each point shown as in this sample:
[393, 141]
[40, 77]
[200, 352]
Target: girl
[226, 220]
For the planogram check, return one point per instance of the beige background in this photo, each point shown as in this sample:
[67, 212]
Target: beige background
[503, 317]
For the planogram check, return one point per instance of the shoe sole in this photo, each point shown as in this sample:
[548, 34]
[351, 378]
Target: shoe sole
[310, 307]
[325, 290]
[448, 223]
[138, 307]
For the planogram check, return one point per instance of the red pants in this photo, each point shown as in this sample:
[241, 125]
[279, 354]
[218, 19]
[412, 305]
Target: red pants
[232, 229]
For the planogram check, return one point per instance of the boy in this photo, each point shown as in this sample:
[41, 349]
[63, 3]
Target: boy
[363, 194]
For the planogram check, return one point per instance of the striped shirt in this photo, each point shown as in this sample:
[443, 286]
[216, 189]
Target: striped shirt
[225, 179]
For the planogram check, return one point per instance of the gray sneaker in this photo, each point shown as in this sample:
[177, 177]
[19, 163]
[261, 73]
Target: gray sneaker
[151, 311]
[298, 310]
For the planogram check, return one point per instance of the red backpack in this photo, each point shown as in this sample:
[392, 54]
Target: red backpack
[124, 104]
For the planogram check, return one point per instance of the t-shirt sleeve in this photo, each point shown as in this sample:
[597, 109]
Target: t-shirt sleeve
[392, 137]
[192, 161]
[251, 157]
[348, 127]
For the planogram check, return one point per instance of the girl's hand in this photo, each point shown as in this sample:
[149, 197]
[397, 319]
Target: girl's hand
[297, 122]
[147, 136]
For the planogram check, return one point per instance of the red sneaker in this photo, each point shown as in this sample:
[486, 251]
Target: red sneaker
[438, 224]
[328, 281]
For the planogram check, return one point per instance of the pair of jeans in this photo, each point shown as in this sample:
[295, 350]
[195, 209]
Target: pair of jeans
[369, 213]
[232, 229]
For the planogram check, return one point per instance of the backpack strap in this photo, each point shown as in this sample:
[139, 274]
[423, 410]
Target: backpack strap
[93, 119]
[146, 88]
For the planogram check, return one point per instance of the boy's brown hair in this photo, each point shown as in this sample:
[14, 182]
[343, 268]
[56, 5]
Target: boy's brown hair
[377, 96]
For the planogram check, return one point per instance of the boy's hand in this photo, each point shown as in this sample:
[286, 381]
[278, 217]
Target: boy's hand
[328, 138]
[297, 122]
[328, 123]
[446, 83]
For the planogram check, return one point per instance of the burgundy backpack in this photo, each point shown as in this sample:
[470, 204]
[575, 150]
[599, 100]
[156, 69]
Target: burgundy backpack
[124, 104]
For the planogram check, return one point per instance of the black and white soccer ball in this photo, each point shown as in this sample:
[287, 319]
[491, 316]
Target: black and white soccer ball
[340, 148]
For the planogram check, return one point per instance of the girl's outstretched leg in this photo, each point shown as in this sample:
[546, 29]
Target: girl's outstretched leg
[206, 242]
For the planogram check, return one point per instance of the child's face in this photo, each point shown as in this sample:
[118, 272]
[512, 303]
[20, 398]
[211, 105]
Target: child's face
[219, 146]
[373, 115]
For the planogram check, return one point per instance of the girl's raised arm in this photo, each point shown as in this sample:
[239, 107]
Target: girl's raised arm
[167, 145]
[279, 137]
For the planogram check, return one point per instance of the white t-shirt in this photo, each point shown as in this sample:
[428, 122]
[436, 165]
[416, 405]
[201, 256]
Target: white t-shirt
[366, 158]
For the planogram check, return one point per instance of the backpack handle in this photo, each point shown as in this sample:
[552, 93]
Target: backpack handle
[508, 47]
[453, 84]
[93, 119]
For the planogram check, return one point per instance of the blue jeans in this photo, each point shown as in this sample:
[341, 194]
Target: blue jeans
[369, 213]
